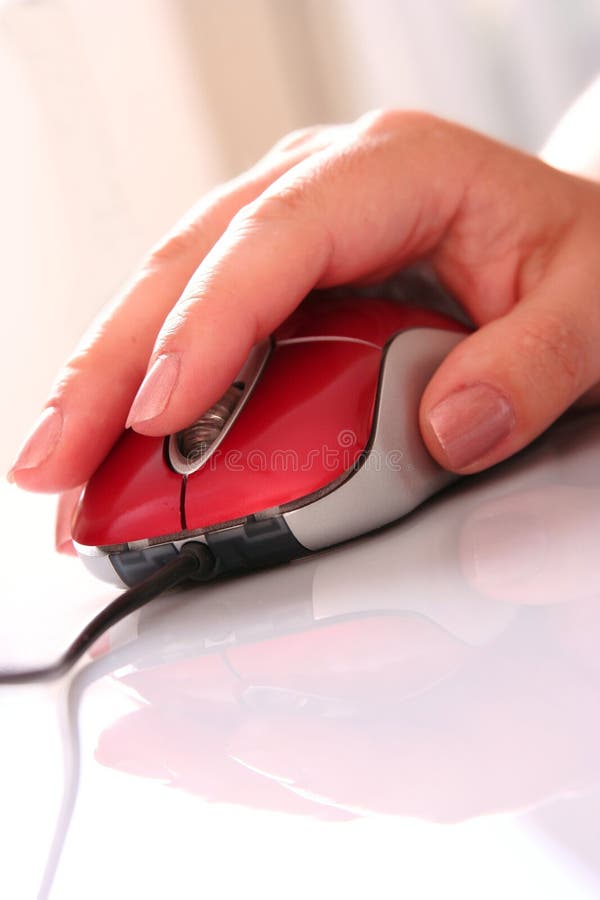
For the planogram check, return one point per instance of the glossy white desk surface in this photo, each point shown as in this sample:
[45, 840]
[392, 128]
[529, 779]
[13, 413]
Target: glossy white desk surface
[415, 714]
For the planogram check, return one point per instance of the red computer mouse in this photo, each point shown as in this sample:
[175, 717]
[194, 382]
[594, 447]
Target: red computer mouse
[315, 442]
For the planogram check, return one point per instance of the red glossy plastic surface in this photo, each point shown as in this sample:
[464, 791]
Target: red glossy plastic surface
[132, 496]
[306, 422]
[371, 319]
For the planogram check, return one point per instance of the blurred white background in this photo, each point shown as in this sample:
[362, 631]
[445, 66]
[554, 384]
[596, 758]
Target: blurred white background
[117, 114]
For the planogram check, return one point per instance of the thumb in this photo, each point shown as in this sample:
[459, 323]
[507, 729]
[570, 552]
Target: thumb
[508, 381]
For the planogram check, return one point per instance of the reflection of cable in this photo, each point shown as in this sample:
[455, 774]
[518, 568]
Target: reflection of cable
[279, 698]
[175, 571]
[68, 721]
[69, 728]
[194, 561]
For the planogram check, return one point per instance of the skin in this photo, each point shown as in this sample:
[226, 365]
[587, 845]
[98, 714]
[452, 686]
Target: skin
[515, 239]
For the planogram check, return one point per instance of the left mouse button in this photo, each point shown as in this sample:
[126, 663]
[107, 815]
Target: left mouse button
[132, 496]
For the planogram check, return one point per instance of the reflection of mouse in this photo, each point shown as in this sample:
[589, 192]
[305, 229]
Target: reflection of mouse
[316, 441]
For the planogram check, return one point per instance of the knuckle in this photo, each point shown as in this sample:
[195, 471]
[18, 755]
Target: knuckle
[178, 319]
[287, 201]
[183, 317]
[69, 373]
[297, 138]
[557, 355]
[383, 122]
[173, 247]
[379, 121]
[169, 249]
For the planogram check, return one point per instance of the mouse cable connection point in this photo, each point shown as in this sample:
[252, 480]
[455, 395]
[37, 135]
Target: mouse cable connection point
[195, 562]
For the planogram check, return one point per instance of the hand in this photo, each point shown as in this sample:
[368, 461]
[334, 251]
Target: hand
[515, 240]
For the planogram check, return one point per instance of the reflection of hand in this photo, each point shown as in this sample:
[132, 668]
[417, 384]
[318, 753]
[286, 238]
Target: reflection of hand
[385, 714]
[534, 546]
[504, 231]
[539, 547]
[195, 709]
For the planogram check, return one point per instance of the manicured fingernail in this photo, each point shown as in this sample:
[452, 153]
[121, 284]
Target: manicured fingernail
[470, 422]
[155, 391]
[66, 548]
[41, 442]
[504, 549]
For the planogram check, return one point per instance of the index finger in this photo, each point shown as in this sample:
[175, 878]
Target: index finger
[373, 202]
[89, 402]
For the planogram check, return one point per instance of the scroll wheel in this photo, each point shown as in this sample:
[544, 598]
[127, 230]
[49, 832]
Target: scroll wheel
[195, 441]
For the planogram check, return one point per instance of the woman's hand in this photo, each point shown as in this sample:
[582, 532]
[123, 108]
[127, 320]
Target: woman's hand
[515, 240]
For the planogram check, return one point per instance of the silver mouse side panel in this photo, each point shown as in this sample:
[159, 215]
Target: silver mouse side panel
[98, 562]
[398, 474]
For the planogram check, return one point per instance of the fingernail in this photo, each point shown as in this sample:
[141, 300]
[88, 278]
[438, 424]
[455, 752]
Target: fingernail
[155, 391]
[470, 422]
[66, 548]
[504, 549]
[40, 443]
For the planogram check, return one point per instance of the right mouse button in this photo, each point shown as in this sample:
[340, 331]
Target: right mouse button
[307, 421]
[371, 320]
[397, 473]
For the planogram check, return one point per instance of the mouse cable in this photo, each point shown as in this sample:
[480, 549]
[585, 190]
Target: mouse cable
[195, 561]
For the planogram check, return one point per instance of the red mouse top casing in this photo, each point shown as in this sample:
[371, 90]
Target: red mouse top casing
[303, 429]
